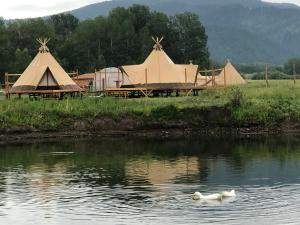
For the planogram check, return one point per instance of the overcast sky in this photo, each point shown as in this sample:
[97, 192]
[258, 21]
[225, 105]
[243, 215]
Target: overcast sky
[10, 9]
[297, 2]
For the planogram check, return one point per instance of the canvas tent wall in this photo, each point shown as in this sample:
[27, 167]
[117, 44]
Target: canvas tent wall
[159, 70]
[44, 73]
[110, 78]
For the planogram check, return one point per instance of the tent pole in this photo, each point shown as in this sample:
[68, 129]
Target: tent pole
[185, 75]
[146, 83]
[146, 77]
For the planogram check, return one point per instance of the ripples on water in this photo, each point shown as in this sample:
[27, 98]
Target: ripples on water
[149, 182]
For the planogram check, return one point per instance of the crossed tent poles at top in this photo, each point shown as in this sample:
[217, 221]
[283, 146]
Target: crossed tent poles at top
[157, 41]
[43, 42]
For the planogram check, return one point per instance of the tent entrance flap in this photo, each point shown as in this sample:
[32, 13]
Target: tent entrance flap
[48, 82]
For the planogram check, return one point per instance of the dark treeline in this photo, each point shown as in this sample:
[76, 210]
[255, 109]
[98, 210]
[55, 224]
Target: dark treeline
[123, 37]
[285, 71]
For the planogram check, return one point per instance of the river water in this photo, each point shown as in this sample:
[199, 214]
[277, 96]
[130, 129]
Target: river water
[150, 182]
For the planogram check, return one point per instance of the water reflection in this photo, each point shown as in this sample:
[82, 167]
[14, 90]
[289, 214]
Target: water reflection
[149, 181]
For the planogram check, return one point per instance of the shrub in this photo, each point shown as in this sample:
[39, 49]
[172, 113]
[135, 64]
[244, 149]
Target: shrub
[169, 111]
[237, 97]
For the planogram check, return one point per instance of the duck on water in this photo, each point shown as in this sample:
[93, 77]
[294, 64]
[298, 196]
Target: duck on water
[217, 196]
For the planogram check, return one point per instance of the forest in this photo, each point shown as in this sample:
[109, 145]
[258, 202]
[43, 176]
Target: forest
[123, 37]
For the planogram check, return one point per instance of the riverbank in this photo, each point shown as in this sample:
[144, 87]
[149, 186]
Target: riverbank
[248, 109]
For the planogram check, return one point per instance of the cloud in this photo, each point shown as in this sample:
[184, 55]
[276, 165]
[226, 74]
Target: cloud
[297, 2]
[36, 8]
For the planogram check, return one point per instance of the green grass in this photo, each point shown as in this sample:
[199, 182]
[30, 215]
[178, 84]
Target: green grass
[277, 103]
[252, 103]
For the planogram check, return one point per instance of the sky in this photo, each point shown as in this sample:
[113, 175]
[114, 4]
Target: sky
[297, 2]
[11, 9]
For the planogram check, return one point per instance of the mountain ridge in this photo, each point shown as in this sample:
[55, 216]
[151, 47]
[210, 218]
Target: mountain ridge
[246, 31]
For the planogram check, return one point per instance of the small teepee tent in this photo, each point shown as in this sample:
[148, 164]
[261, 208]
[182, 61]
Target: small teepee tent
[230, 75]
[158, 69]
[226, 76]
[44, 73]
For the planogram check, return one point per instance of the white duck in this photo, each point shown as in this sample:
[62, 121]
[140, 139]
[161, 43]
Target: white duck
[198, 195]
[226, 194]
[217, 196]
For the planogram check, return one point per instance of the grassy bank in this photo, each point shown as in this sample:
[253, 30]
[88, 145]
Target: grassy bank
[251, 104]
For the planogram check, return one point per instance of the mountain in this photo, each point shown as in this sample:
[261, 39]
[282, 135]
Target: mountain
[245, 31]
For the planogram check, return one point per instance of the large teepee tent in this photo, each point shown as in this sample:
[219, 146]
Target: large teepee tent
[44, 73]
[158, 69]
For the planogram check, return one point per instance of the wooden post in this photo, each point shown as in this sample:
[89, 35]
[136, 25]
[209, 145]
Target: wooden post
[266, 75]
[225, 77]
[100, 81]
[294, 73]
[77, 76]
[105, 78]
[119, 78]
[6, 82]
[185, 75]
[95, 81]
[196, 78]
[213, 76]
[205, 79]
[103, 84]
[146, 77]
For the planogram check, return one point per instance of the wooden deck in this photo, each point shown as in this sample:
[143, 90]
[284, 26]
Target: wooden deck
[150, 92]
[50, 94]
[44, 91]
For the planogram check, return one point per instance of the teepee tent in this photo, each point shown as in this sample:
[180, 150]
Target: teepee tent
[230, 75]
[158, 69]
[44, 73]
[226, 76]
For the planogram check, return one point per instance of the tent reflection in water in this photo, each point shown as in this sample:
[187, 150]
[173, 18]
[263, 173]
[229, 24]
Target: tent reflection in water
[159, 70]
[44, 74]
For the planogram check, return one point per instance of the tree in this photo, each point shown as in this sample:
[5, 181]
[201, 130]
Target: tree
[122, 37]
[189, 39]
[22, 59]
[4, 51]
[64, 24]
[288, 67]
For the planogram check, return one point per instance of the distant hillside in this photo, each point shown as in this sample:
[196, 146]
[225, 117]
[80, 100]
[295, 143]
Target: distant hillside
[242, 30]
